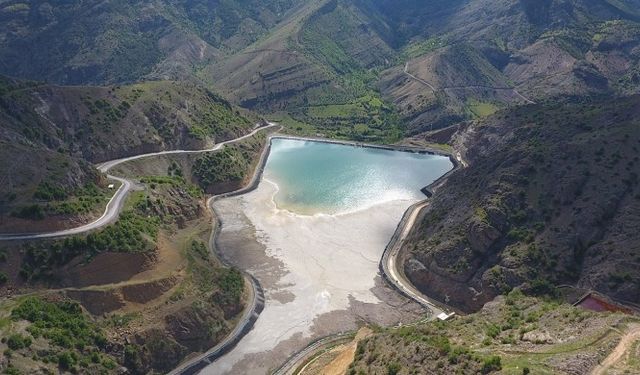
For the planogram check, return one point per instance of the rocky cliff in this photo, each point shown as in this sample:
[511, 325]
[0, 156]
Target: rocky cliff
[549, 197]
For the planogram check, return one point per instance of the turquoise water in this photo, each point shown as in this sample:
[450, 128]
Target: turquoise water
[316, 177]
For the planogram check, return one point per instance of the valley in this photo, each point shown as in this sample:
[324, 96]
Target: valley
[319, 186]
[319, 268]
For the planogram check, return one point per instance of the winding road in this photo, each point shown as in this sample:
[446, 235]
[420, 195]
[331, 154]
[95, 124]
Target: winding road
[256, 299]
[245, 324]
[515, 92]
[406, 71]
[113, 208]
[389, 261]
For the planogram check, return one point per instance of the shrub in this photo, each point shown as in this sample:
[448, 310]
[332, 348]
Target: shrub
[493, 331]
[540, 287]
[490, 364]
[67, 360]
[393, 368]
[520, 234]
[48, 192]
[229, 164]
[128, 235]
[17, 342]
[200, 248]
[232, 285]
[10, 370]
[62, 323]
[33, 211]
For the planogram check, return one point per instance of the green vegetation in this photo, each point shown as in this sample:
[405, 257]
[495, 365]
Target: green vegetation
[216, 118]
[174, 181]
[425, 340]
[232, 286]
[99, 41]
[63, 324]
[351, 107]
[17, 342]
[203, 272]
[508, 335]
[103, 113]
[133, 232]
[491, 364]
[361, 115]
[393, 368]
[481, 109]
[48, 192]
[59, 201]
[229, 164]
[420, 48]
[294, 126]
[535, 212]
[33, 211]
[208, 276]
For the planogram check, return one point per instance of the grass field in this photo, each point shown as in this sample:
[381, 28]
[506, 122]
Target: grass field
[480, 108]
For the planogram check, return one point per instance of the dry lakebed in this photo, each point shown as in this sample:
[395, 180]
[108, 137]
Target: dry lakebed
[313, 233]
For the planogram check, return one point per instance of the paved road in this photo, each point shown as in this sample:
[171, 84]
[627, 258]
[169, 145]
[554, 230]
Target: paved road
[309, 351]
[389, 260]
[244, 325]
[256, 299]
[114, 206]
[111, 212]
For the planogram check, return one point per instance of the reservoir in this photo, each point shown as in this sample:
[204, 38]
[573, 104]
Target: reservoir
[313, 233]
[329, 178]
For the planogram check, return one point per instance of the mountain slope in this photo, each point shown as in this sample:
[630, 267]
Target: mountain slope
[511, 335]
[324, 61]
[115, 41]
[550, 197]
[320, 66]
[49, 134]
[540, 48]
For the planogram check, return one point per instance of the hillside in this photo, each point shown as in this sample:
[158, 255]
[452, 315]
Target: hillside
[540, 99]
[50, 134]
[136, 294]
[319, 66]
[335, 66]
[511, 335]
[428, 63]
[550, 197]
[114, 41]
[143, 293]
[539, 48]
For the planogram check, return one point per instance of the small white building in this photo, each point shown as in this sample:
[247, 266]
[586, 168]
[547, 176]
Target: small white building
[444, 316]
[111, 186]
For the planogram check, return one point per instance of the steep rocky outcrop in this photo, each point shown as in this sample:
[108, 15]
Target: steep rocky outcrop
[549, 197]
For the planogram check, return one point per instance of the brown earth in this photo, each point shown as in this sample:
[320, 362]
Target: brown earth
[523, 332]
[630, 338]
[543, 201]
[337, 360]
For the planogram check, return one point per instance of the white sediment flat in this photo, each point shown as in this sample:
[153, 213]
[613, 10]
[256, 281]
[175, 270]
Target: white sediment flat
[328, 260]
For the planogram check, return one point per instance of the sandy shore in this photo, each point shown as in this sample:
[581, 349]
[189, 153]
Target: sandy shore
[320, 274]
